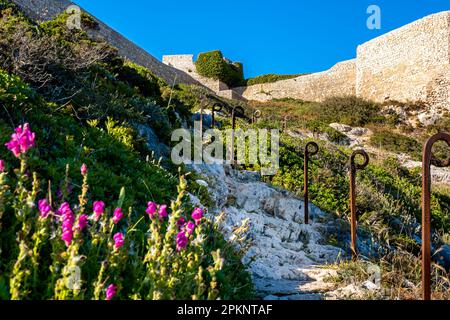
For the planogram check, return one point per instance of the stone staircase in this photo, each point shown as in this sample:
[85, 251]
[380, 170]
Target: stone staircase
[288, 259]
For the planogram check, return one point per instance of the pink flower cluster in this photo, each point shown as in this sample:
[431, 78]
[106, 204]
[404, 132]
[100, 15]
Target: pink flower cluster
[118, 240]
[83, 169]
[182, 240]
[190, 227]
[197, 215]
[44, 208]
[111, 291]
[68, 219]
[99, 209]
[187, 229]
[152, 208]
[2, 166]
[22, 140]
[82, 222]
[118, 215]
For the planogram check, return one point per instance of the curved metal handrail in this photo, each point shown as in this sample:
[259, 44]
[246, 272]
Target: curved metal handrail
[353, 218]
[215, 108]
[308, 153]
[427, 160]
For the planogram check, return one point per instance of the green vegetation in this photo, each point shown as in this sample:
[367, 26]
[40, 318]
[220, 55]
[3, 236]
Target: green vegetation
[84, 103]
[395, 142]
[349, 110]
[388, 195]
[269, 78]
[213, 65]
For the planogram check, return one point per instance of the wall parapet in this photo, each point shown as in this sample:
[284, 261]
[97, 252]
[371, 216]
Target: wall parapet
[339, 80]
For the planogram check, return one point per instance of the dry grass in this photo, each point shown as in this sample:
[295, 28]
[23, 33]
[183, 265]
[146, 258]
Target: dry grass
[400, 277]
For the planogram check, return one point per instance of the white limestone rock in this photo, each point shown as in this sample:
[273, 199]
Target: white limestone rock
[340, 127]
[284, 250]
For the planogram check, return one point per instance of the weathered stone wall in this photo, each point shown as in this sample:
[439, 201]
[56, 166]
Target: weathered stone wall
[43, 10]
[185, 63]
[339, 80]
[411, 63]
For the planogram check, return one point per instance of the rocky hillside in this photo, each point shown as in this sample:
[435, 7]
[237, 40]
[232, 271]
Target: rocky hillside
[86, 104]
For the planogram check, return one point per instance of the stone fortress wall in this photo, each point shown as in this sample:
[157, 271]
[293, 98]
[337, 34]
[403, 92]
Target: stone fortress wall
[339, 80]
[185, 63]
[42, 10]
[410, 64]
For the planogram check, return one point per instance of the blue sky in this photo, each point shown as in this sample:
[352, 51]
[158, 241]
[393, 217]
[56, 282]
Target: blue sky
[283, 36]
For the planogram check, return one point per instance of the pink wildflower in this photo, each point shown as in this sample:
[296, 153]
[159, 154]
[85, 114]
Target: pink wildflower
[63, 209]
[2, 166]
[99, 209]
[118, 240]
[22, 140]
[197, 215]
[84, 169]
[190, 227]
[151, 209]
[180, 223]
[182, 241]
[82, 222]
[67, 224]
[44, 208]
[111, 291]
[117, 215]
[162, 211]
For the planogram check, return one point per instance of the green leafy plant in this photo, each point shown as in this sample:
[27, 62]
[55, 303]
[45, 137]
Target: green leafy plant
[213, 65]
[269, 78]
[109, 254]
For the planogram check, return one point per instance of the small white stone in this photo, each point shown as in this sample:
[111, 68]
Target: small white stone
[202, 183]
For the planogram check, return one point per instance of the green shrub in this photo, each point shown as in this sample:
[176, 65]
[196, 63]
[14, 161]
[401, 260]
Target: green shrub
[333, 135]
[213, 65]
[352, 111]
[269, 78]
[394, 142]
[348, 110]
[139, 77]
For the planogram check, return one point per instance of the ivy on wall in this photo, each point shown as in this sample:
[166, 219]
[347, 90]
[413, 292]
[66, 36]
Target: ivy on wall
[213, 65]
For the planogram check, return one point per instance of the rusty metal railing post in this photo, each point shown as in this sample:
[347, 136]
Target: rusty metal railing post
[236, 111]
[308, 153]
[428, 159]
[353, 218]
[256, 115]
[215, 108]
[284, 124]
[201, 119]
